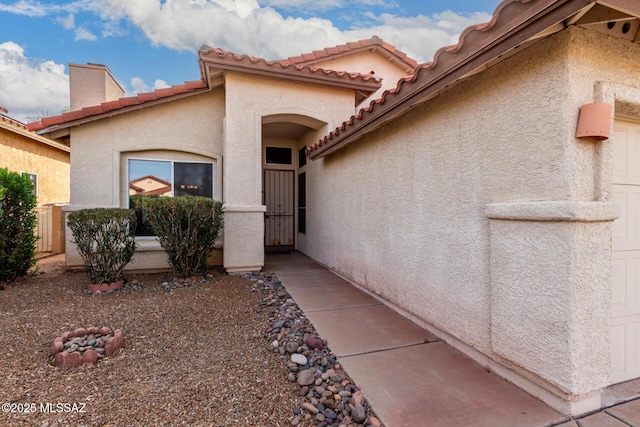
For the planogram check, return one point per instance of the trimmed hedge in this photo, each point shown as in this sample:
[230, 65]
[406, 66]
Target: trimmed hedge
[17, 225]
[187, 228]
[105, 238]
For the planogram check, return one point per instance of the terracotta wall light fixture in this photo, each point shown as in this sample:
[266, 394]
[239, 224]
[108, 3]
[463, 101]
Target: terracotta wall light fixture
[594, 123]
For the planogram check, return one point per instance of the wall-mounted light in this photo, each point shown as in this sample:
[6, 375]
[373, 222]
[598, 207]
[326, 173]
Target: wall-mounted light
[594, 123]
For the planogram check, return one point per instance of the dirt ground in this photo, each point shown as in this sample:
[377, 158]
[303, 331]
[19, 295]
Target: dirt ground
[193, 356]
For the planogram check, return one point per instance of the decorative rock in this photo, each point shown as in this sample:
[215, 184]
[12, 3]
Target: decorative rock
[74, 359]
[358, 398]
[374, 422]
[306, 377]
[89, 356]
[277, 325]
[296, 420]
[291, 347]
[309, 408]
[314, 342]
[358, 414]
[299, 359]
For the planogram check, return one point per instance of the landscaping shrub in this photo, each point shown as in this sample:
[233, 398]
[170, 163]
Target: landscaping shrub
[105, 238]
[17, 225]
[187, 228]
[136, 202]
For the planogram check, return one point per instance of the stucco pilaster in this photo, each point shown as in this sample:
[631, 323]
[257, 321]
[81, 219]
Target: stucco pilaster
[243, 238]
[550, 285]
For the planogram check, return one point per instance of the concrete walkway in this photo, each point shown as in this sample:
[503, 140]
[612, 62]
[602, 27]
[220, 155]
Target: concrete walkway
[409, 376]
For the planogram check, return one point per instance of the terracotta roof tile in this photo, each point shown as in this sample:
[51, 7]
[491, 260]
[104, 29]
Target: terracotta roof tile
[427, 78]
[221, 59]
[366, 44]
[118, 104]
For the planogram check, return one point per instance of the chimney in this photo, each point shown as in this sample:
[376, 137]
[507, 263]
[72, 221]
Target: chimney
[92, 84]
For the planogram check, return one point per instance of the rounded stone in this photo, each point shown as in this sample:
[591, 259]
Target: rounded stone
[298, 359]
[306, 377]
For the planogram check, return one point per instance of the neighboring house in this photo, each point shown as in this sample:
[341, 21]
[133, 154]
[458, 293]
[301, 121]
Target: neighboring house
[478, 196]
[46, 162]
[149, 186]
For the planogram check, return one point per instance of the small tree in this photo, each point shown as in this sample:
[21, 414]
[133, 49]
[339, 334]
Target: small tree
[17, 225]
[106, 241]
[187, 228]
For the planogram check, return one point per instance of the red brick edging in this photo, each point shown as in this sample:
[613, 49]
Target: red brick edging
[105, 287]
[64, 359]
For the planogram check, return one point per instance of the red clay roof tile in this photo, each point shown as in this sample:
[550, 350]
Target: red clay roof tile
[426, 77]
[366, 44]
[118, 104]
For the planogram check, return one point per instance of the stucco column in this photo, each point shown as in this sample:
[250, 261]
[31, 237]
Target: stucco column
[550, 295]
[242, 202]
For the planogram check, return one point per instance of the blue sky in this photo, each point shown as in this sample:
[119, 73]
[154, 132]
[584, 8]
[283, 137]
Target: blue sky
[148, 44]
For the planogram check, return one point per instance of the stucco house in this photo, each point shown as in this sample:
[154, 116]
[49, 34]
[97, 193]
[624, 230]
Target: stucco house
[490, 195]
[46, 162]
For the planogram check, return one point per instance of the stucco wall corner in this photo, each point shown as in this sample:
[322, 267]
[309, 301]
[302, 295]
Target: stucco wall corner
[550, 266]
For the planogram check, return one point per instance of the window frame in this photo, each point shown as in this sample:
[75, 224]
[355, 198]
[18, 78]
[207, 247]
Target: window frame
[35, 181]
[172, 163]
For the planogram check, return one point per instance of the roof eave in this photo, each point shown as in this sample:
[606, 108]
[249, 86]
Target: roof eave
[72, 123]
[35, 136]
[490, 43]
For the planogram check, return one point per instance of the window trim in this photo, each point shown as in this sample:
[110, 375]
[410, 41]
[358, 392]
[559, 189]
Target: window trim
[36, 184]
[172, 162]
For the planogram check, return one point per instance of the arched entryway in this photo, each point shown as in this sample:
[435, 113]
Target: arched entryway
[284, 141]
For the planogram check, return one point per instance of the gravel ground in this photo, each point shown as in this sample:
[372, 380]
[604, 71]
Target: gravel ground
[193, 356]
[211, 353]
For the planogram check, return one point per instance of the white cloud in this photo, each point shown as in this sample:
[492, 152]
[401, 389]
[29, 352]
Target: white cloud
[139, 86]
[83, 34]
[67, 22]
[243, 26]
[240, 26]
[25, 7]
[31, 88]
[160, 84]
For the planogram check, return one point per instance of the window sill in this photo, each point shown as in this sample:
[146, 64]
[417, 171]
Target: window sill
[148, 243]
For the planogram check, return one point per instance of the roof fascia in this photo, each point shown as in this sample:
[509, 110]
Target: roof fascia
[57, 128]
[374, 48]
[477, 48]
[631, 7]
[299, 73]
[34, 136]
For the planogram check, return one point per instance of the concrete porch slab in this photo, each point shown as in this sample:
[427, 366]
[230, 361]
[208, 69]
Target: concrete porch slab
[316, 280]
[436, 385]
[330, 297]
[600, 419]
[627, 412]
[365, 329]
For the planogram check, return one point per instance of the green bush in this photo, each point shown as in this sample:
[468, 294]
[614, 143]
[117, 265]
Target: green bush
[17, 225]
[105, 239]
[187, 228]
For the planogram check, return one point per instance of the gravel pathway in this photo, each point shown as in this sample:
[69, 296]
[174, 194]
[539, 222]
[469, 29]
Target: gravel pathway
[219, 352]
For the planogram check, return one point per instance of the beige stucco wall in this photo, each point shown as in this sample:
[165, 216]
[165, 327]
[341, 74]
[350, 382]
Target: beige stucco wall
[427, 213]
[20, 153]
[92, 84]
[185, 129]
[249, 99]
[364, 63]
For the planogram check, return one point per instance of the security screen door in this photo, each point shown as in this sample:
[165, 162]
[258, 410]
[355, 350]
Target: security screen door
[279, 218]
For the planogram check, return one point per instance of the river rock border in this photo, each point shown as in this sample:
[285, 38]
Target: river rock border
[74, 348]
[330, 396]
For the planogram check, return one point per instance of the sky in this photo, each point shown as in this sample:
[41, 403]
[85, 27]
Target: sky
[150, 44]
